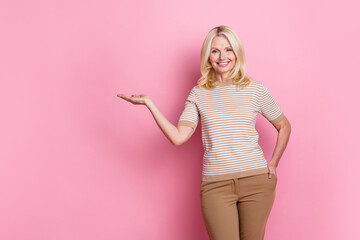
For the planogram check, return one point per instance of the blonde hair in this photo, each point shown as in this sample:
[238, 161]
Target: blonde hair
[237, 74]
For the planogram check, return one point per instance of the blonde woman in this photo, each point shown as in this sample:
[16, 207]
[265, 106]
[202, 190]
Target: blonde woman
[238, 185]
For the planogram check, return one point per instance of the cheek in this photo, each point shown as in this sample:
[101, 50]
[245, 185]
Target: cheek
[212, 61]
[232, 56]
[212, 58]
[214, 65]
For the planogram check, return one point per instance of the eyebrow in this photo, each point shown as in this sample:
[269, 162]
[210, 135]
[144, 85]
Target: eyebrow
[225, 47]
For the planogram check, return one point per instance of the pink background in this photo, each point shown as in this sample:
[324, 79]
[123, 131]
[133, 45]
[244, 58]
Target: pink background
[77, 162]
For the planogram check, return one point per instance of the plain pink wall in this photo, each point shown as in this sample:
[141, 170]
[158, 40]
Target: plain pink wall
[77, 162]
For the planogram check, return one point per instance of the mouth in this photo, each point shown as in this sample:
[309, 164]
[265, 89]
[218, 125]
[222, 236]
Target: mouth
[223, 64]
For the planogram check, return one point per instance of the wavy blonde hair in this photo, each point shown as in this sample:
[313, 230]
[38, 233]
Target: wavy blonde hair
[238, 72]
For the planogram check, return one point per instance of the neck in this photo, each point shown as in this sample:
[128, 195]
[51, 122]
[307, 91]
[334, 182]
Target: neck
[223, 78]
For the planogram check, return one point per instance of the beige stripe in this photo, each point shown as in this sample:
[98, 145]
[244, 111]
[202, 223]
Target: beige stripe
[186, 123]
[278, 119]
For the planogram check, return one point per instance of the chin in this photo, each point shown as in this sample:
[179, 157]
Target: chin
[223, 70]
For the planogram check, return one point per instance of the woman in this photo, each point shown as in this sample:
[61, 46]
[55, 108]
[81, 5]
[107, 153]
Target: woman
[238, 185]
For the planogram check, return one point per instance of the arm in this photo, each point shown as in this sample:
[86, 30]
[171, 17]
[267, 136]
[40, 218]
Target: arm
[176, 135]
[272, 112]
[284, 129]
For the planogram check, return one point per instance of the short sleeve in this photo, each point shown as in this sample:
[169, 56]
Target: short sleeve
[190, 115]
[268, 106]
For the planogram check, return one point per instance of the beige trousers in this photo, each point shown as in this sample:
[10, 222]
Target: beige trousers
[238, 209]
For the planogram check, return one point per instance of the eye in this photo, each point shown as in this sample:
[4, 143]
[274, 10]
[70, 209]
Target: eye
[213, 51]
[229, 49]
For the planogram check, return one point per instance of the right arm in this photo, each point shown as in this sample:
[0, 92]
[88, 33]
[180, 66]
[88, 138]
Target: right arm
[177, 135]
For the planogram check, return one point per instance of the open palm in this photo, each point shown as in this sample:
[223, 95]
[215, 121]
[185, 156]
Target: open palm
[135, 98]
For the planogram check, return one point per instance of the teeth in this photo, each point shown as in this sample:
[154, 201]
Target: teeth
[223, 63]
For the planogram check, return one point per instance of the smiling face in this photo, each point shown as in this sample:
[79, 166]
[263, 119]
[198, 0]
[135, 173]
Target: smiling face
[222, 56]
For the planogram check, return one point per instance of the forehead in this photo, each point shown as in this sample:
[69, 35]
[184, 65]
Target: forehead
[220, 42]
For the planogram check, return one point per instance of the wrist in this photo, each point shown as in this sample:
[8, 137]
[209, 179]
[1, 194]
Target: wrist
[148, 102]
[273, 163]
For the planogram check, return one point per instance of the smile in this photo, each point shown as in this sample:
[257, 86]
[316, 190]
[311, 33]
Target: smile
[223, 64]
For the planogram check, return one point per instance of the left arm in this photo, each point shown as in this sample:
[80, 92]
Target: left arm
[284, 129]
[270, 109]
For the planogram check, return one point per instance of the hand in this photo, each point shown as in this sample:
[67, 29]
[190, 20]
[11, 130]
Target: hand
[136, 98]
[272, 169]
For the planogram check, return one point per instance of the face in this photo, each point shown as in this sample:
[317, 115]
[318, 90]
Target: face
[222, 56]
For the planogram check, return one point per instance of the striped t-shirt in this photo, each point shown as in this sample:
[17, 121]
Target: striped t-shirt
[229, 137]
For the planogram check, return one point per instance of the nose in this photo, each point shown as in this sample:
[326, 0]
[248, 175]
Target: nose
[221, 56]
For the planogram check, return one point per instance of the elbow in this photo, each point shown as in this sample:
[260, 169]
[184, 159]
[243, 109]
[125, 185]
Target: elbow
[287, 128]
[288, 125]
[176, 142]
[177, 138]
[284, 126]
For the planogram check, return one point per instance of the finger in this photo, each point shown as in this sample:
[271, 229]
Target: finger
[124, 97]
[129, 99]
